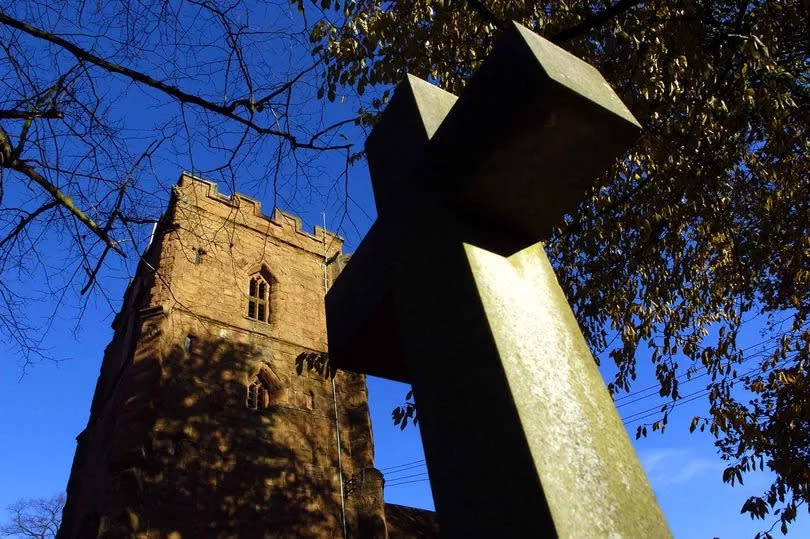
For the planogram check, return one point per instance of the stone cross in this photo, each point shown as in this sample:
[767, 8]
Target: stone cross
[451, 292]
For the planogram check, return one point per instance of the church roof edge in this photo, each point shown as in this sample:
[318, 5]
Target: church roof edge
[278, 218]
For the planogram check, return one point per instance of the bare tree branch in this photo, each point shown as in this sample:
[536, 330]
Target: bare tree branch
[51, 114]
[66, 202]
[24, 221]
[117, 211]
[38, 518]
[184, 97]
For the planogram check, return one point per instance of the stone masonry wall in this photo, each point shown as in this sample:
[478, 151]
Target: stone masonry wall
[171, 448]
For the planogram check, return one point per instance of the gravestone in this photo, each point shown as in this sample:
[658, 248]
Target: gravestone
[451, 291]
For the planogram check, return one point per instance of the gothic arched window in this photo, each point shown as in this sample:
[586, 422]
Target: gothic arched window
[259, 298]
[258, 396]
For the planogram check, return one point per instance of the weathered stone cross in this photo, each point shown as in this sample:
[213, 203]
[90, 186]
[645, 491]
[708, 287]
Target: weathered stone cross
[450, 291]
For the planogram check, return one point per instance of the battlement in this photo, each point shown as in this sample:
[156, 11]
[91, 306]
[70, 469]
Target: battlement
[247, 211]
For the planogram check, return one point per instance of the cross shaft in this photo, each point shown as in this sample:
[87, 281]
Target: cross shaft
[451, 291]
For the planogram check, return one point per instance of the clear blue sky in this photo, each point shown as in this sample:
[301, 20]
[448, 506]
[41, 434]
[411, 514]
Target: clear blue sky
[42, 412]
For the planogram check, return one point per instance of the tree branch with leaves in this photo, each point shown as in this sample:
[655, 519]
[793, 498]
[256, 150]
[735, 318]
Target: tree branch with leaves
[699, 235]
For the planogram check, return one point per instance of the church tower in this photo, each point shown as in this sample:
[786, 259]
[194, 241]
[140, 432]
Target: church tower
[200, 425]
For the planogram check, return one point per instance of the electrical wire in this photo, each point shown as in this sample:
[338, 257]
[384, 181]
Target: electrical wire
[397, 480]
[407, 469]
[750, 358]
[407, 482]
[685, 375]
[631, 419]
[401, 465]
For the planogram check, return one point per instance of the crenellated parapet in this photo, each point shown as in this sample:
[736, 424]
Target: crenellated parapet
[193, 191]
[201, 425]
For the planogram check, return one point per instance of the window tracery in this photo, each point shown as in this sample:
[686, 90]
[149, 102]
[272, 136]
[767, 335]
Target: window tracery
[258, 395]
[259, 299]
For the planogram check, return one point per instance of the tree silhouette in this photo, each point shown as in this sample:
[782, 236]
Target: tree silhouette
[35, 517]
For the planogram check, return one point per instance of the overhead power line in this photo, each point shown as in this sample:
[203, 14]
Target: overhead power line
[693, 379]
[650, 412]
[401, 465]
[396, 479]
[408, 482]
[404, 470]
[685, 375]
[393, 471]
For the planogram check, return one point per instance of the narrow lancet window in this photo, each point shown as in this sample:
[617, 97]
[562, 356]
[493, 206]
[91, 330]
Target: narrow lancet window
[259, 299]
[258, 397]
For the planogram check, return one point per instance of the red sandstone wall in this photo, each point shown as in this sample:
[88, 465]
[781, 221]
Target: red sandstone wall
[171, 449]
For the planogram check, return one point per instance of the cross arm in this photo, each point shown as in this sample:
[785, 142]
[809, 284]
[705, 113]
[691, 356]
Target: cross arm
[529, 135]
[361, 321]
